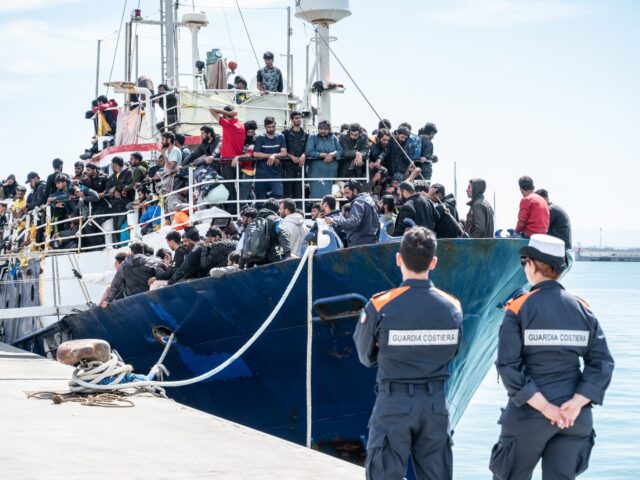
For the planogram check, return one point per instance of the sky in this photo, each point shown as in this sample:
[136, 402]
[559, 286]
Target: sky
[545, 88]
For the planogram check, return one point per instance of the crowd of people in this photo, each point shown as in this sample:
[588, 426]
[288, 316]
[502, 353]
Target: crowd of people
[366, 187]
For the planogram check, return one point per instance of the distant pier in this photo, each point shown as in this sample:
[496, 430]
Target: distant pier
[607, 255]
[156, 439]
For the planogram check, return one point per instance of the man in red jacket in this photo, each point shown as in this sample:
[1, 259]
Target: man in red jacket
[533, 216]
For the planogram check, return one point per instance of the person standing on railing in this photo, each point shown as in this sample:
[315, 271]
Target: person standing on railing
[323, 151]
[296, 141]
[379, 150]
[232, 147]
[268, 149]
[206, 149]
[269, 77]
[355, 152]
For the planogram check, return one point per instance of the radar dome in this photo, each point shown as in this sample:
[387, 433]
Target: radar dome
[322, 11]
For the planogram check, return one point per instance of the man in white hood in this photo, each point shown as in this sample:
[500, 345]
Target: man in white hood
[293, 224]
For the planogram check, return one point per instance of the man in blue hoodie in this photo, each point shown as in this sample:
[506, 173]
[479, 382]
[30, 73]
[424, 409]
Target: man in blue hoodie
[362, 225]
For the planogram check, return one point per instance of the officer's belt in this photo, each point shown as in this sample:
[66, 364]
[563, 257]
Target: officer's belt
[429, 387]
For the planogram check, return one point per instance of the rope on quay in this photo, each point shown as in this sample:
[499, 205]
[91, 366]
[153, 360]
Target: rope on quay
[115, 375]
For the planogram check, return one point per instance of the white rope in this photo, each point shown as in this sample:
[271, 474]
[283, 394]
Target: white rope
[309, 342]
[86, 377]
[190, 381]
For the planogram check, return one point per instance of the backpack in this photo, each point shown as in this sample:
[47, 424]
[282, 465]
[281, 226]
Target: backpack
[255, 247]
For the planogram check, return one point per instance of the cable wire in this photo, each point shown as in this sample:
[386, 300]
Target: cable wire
[248, 35]
[115, 51]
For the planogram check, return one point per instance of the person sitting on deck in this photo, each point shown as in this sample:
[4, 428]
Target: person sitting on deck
[215, 252]
[233, 264]
[241, 84]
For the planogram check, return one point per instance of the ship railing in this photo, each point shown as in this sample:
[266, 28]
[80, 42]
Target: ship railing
[34, 223]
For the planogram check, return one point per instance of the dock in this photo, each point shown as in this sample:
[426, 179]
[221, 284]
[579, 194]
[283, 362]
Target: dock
[156, 439]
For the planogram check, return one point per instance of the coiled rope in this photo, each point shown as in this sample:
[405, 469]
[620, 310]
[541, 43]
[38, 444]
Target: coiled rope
[109, 376]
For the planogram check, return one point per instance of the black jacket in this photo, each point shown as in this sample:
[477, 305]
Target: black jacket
[349, 149]
[203, 150]
[190, 267]
[99, 185]
[178, 259]
[120, 183]
[396, 160]
[559, 224]
[479, 222]
[38, 197]
[215, 255]
[136, 271]
[420, 210]
[50, 188]
[447, 225]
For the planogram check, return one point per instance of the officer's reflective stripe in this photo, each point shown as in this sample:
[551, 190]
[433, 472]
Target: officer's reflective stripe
[423, 337]
[564, 338]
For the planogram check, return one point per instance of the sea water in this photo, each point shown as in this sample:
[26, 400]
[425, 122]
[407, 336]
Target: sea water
[613, 292]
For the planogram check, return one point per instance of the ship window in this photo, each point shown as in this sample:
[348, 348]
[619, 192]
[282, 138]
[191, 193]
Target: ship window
[33, 292]
[19, 300]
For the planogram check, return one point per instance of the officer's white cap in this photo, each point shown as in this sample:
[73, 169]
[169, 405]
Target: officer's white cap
[547, 249]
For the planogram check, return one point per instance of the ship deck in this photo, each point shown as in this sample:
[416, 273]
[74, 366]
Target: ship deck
[158, 438]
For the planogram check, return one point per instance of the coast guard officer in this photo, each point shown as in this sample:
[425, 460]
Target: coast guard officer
[411, 333]
[543, 336]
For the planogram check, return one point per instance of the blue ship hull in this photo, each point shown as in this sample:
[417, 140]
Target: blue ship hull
[265, 388]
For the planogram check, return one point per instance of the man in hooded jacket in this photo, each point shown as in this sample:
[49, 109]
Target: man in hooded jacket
[479, 222]
[293, 224]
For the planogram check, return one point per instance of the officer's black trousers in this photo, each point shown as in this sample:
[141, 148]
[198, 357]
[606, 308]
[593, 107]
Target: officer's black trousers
[407, 422]
[527, 436]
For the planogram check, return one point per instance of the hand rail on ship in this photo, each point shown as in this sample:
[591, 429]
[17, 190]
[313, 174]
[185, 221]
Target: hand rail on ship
[33, 225]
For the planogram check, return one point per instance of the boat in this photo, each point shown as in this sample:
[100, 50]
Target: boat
[50, 295]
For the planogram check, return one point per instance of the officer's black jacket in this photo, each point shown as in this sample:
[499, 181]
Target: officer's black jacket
[543, 335]
[411, 332]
